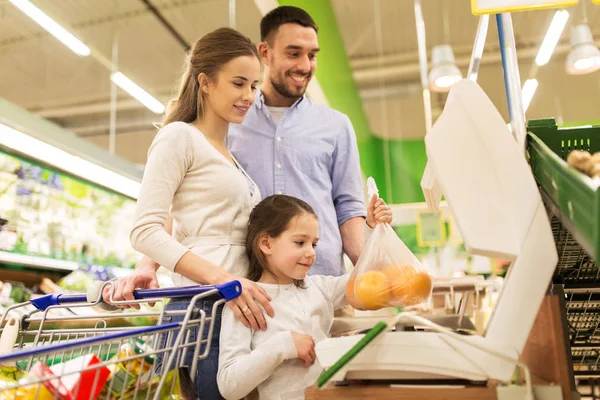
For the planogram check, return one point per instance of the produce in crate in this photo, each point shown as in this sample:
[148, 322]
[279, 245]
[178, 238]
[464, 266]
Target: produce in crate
[585, 162]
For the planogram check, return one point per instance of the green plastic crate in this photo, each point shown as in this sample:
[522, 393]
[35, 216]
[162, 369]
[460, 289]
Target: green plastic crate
[574, 196]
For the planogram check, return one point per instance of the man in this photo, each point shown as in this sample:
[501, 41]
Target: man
[290, 145]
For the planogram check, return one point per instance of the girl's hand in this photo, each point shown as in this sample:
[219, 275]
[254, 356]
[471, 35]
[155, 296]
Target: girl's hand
[378, 212]
[305, 346]
[245, 307]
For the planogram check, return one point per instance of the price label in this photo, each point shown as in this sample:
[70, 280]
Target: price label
[431, 230]
[480, 7]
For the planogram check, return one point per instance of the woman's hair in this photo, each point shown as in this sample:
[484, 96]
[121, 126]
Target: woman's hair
[271, 216]
[207, 55]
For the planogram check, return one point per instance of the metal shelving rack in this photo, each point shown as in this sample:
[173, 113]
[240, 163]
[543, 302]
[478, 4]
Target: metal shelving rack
[580, 277]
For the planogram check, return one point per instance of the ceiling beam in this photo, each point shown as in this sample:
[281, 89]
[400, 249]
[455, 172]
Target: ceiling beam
[124, 126]
[370, 74]
[98, 107]
[400, 69]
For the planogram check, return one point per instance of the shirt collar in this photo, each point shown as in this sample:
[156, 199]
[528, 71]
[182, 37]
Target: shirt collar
[259, 101]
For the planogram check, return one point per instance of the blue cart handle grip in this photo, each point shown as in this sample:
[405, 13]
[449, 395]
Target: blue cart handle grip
[227, 291]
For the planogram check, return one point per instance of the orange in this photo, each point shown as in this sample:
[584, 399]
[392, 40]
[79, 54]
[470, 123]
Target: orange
[350, 294]
[372, 290]
[408, 286]
[421, 287]
[399, 278]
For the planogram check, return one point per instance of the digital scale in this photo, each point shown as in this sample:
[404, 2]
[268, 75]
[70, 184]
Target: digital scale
[499, 212]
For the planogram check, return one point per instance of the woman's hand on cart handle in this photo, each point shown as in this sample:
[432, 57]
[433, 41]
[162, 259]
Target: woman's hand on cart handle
[144, 277]
[246, 307]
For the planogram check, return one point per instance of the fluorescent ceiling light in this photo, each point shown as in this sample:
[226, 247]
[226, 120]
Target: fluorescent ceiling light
[444, 72]
[32, 147]
[553, 34]
[52, 27]
[528, 91]
[584, 57]
[137, 92]
[587, 64]
[447, 80]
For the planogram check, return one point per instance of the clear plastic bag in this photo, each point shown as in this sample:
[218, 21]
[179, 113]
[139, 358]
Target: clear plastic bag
[387, 272]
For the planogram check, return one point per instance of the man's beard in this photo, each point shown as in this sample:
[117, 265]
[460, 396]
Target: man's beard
[283, 90]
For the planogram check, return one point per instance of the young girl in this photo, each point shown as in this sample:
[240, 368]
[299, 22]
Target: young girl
[280, 362]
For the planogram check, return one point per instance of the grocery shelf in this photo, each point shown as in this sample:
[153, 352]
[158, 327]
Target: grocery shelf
[37, 262]
[579, 277]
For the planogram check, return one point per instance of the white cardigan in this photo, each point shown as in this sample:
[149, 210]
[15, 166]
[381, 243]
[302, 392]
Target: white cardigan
[264, 365]
[207, 196]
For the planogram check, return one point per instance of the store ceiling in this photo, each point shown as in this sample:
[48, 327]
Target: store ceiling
[42, 75]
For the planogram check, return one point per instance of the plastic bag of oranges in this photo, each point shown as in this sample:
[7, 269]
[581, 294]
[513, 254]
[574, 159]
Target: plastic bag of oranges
[387, 273]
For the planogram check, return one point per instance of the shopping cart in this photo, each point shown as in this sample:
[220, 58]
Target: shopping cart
[103, 359]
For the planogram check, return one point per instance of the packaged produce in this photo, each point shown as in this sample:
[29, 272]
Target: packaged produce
[14, 292]
[77, 281]
[77, 384]
[135, 371]
[387, 273]
[178, 386]
[30, 387]
[10, 373]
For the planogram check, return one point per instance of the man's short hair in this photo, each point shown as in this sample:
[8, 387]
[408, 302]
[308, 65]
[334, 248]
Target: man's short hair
[271, 22]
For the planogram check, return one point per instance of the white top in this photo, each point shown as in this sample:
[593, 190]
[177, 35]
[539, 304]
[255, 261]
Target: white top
[277, 113]
[267, 360]
[208, 198]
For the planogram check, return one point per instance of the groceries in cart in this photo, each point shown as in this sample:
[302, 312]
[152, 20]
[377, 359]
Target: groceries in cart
[130, 370]
[76, 379]
[9, 372]
[49, 356]
[29, 387]
[43, 383]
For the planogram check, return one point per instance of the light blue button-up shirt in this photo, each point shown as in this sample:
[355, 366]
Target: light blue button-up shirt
[311, 154]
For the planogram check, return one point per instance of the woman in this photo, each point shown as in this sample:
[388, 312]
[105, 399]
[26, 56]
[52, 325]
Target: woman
[191, 175]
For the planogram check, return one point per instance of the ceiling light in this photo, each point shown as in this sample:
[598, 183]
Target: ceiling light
[584, 56]
[52, 27]
[527, 92]
[137, 92]
[552, 36]
[444, 72]
[53, 156]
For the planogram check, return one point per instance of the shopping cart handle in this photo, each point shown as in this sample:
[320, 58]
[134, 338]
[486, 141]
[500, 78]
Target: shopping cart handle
[227, 291]
[43, 302]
